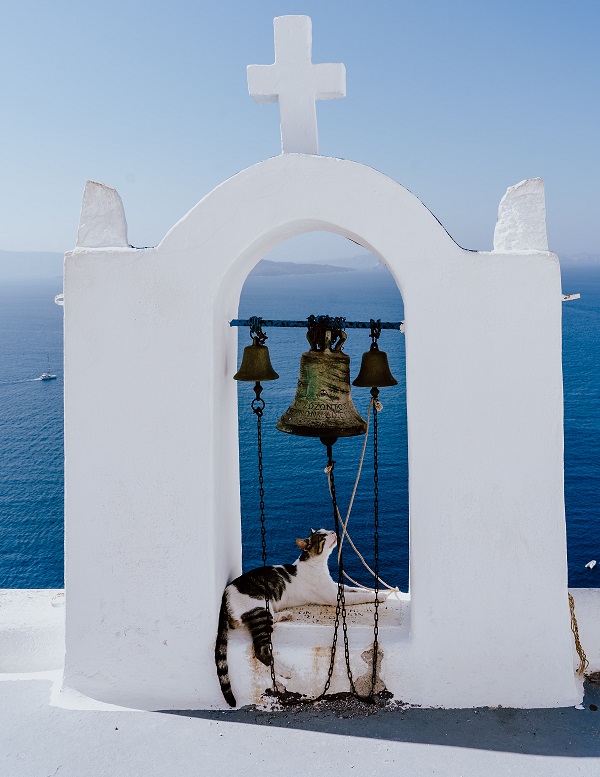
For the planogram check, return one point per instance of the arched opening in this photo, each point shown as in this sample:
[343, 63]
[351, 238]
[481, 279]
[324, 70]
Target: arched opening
[323, 273]
[236, 226]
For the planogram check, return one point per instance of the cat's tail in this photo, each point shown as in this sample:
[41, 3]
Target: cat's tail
[221, 653]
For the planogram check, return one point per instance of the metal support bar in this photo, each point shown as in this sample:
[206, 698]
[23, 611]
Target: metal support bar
[266, 322]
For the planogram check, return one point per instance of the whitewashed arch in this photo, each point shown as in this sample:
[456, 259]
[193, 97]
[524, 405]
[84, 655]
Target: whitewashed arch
[152, 472]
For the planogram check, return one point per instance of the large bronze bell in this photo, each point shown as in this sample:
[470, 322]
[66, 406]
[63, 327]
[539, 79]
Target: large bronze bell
[323, 404]
[374, 369]
[256, 363]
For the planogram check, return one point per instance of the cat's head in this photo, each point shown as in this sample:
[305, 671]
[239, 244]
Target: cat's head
[319, 543]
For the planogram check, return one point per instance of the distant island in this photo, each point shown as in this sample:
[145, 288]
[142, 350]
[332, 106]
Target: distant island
[23, 265]
[268, 267]
[583, 258]
[30, 265]
[38, 265]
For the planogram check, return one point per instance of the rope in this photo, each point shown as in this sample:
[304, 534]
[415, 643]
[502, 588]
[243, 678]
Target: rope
[583, 662]
[344, 524]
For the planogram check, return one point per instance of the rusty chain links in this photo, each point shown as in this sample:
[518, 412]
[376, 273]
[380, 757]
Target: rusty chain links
[340, 608]
[258, 406]
[583, 662]
[375, 395]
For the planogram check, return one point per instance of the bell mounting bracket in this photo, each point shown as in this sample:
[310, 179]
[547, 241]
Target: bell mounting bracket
[326, 332]
[256, 332]
[375, 333]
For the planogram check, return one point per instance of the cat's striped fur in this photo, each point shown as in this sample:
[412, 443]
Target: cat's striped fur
[306, 581]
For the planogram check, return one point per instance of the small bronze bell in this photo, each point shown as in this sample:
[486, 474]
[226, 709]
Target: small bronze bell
[323, 404]
[374, 369]
[256, 363]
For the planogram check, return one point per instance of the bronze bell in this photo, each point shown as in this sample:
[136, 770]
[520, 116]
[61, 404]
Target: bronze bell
[374, 369]
[323, 404]
[256, 364]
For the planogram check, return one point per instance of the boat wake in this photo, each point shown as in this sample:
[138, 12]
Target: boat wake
[25, 380]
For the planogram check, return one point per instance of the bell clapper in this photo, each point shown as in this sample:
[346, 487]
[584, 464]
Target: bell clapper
[258, 403]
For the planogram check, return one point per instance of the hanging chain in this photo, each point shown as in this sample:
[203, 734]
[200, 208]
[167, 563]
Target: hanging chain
[375, 395]
[341, 599]
[258, 406]
[329, 470]
[340, 607]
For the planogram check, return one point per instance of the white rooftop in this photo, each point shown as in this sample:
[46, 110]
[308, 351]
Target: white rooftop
[47, 731]
[39, 740]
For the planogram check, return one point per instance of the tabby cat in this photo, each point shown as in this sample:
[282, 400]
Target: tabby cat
[306, 581]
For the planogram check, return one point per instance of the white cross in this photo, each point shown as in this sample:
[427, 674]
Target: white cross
[296, 84]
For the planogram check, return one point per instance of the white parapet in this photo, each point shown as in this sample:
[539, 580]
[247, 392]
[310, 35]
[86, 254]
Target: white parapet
[587, 613]
[521, 224]
[32, 630]
[102, 223]
[32, 641]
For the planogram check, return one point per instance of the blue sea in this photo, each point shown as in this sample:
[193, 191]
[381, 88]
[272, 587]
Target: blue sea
[296, 495]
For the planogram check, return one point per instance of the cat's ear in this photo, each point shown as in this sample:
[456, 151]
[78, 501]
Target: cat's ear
[312, 531]
[302, 544]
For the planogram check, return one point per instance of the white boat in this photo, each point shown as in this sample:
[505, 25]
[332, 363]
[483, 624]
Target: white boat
[47, 375]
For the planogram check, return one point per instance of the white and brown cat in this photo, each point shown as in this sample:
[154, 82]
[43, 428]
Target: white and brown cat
[306, 581]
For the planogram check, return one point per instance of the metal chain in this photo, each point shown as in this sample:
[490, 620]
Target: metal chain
[583, 662]
[341, 596]
[258, 406]
[375, 395]
[340, 608]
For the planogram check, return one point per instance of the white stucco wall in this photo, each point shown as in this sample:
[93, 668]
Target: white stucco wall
[151, 476]
[32, 634]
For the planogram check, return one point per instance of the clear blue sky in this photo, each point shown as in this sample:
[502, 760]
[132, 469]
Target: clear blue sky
[455, 100]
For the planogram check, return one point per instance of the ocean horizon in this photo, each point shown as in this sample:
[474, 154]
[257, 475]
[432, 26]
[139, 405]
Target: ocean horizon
[296, 496]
